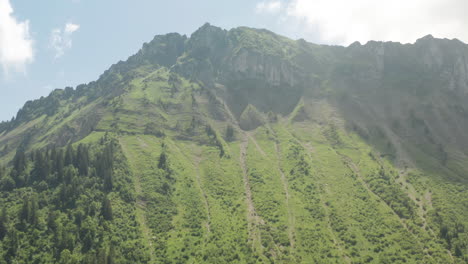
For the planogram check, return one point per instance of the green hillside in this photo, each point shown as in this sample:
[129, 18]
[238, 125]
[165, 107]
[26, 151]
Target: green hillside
[243, 146]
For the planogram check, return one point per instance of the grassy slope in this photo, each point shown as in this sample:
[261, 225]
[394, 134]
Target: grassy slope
[311, 193]
[329, 206]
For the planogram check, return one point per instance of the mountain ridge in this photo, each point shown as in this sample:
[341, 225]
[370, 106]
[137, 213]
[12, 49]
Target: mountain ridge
[424, 39]
[244, 146]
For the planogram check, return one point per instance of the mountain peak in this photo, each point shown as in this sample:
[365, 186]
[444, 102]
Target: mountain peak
[206, 41]
[426, 38]
[355, 44]
[207, 28]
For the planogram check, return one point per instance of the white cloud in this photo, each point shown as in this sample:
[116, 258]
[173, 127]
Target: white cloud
[70, 27]
[61, 39]
[16, 45]
[346, 21]
[271, 7]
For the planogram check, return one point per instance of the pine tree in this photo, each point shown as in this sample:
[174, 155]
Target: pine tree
[19, 163]
[53, 156]
[108, 180]
[3, 223]
[7, 183]
[41, 167]
[107, 209]
[69, 157]
[11, 242]
[59, 165]
[51, 221]
[82, 160]
[25, 210]
[111, 256]
[34, 216]
[28, 213]
[104, 167]
[162, 163]
[209, 131]
[69, 173]
[229, 133]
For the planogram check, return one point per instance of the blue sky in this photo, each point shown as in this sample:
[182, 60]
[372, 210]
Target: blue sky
[57, 43]
[108, 31]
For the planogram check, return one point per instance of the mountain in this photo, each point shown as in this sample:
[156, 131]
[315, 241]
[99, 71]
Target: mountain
[244, 146]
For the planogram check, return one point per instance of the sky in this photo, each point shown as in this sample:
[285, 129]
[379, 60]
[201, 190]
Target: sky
[52, 44]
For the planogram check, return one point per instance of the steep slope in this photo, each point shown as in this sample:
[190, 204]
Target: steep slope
[243, 146]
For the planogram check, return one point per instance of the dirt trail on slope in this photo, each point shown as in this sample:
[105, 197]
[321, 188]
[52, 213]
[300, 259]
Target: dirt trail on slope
[256, 144]
[309, 149]
[330, 228]
[140, 207]
[196, 162]
[227, 109]
[355, 169]
[252, 217]
[409, 189]
[198, 159]
[291, 217]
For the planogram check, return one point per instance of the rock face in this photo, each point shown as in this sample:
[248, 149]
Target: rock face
[420, 88]
[209, 42]
[163, 50]
[413, 87]
[252, 65]
[399, 90]
[228, 56]
[447, 58]
[251, 118]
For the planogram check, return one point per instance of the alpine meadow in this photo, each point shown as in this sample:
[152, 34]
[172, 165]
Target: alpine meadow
[244, 146]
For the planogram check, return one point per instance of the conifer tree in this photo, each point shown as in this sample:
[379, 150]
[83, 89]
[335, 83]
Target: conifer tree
[69, 157]
[104, 167]
[51, 221]
[19, 162]
[11, 241]
[34, 216]
[3, 223]
[28, 212]
[162, 163]
[107, 209]
[111, 256]
[59, 165]
[82, 160]
[229, 132]
[41, 167]
[7, 183]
